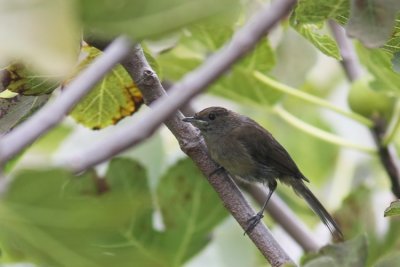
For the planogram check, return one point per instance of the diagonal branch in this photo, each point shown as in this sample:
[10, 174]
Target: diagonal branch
[353, 71]
[52, 113]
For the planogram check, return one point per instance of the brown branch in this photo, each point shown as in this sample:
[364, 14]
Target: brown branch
[387, 155]
[353, 71]
[193, 83]
[282, 214]
[350, 63]
[194, 147]
[53, 113]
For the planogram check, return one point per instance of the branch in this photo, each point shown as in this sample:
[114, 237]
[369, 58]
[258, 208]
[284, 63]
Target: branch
[282, 214]
[193, 83]
[52, 113]
[350, 63]
[191, 143]
[353, 69]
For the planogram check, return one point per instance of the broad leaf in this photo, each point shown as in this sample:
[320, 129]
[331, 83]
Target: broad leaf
[393, 44]
[323, 42]
[317, 11]
[393, 209]
[16, 109]
[378, 63]
[190, 209]
[52, 218]
[372, 21]
[347, 254]
[140, 19]
[309, 19]
[114, 97]
[390, 260]
[23, 81]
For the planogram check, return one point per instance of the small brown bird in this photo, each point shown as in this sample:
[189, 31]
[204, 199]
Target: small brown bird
[246, 150]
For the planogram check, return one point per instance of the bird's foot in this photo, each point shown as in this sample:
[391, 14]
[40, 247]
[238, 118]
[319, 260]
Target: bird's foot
[220, 168]
[253, 221]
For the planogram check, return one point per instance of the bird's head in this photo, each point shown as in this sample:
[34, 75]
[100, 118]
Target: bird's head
[214, 120]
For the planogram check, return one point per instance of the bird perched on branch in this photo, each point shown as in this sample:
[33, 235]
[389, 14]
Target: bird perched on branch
[246, 150]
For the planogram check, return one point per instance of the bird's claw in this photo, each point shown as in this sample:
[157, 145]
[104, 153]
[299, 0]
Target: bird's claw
[252, 222]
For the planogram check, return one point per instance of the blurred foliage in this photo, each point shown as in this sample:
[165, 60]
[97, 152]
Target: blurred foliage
[379, 65]
[55, 219]
[44, 34]
[151, 18]
[393, 209]
[351, 253]
[16, 109]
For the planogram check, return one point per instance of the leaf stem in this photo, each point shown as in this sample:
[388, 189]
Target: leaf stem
[310, 98]
[321, 134]
[393, 126]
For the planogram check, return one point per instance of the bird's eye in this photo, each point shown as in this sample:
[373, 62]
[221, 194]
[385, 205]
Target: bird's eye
[211, 116]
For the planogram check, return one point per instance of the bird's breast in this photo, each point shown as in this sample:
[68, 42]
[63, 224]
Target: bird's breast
[233, 156]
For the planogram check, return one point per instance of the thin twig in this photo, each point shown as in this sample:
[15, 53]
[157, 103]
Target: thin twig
[353, 71]
[181, 92]
[53, 113]
[350, 62]
[195, 148]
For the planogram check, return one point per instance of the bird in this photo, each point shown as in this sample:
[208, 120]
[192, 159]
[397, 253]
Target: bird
[246, 150]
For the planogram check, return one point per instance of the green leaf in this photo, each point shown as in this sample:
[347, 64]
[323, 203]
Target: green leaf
[321, 41]
[52, 218]
[372, 21]
[292, 67]
[23, 81]
[393, 44]
[175, 64]
[317, 11]
[378, 63]
[140, 19]
[393, 209]
[50, 142]
[190, 209]
[347, 254]
[239, 84]
[389, 260]
[309, 18]
[114, 97]
[15, 110]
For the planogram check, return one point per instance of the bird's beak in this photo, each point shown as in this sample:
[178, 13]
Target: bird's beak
[196, 122]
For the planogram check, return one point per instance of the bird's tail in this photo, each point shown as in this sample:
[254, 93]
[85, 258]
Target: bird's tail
[301, 189]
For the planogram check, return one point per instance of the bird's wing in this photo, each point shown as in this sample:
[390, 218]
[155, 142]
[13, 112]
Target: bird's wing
[266, 150]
